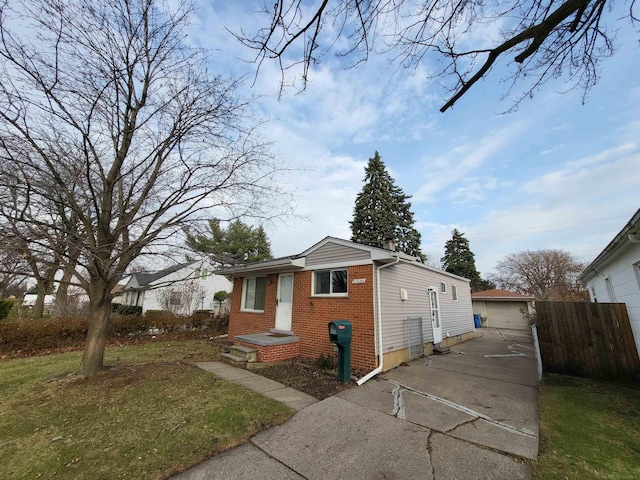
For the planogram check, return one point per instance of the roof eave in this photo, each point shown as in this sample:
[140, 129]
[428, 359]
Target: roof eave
[621, 239]
[276, 266]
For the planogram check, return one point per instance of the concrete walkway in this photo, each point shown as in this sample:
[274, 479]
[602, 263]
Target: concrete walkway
[471, 414]
[267, 387]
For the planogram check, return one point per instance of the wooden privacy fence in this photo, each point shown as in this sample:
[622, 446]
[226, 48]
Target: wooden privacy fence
[591, 340]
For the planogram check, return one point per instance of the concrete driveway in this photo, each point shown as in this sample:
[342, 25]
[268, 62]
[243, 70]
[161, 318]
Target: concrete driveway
[471, 414]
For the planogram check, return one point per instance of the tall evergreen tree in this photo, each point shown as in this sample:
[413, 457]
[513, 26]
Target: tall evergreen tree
[460, 260]
[383, 212]
[238, 243]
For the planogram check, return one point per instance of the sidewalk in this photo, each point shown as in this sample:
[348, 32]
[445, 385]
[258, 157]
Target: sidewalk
[265, 386]
[469, 415]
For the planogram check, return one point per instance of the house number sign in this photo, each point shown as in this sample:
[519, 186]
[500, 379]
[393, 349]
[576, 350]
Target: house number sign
[358, 280]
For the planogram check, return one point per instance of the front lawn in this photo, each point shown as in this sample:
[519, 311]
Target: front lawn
[151, 415]
[589, 430]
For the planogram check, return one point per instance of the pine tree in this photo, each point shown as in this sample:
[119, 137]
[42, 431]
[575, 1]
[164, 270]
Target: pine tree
[383, 212]
[460, 260]
[238, 243]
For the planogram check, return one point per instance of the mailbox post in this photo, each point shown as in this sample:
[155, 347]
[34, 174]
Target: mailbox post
[340, 336]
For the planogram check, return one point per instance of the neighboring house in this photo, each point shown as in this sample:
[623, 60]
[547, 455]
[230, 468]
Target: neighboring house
[399, 308]
[503, 309]
[29, 300]
[180, 289]
[118, 293]
[614, 276]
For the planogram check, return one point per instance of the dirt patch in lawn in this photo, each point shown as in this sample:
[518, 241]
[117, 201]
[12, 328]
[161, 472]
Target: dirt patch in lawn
[310, 377]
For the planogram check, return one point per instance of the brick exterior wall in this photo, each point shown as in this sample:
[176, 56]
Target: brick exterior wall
[312, 314]
[274, 353]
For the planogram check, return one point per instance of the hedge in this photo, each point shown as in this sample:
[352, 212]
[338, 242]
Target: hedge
[126, 309]
[32, 335]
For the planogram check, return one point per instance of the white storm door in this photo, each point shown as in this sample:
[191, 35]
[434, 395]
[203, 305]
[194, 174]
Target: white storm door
[436, 322]
[284, 301]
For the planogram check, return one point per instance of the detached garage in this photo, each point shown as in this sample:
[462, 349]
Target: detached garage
[502, 309]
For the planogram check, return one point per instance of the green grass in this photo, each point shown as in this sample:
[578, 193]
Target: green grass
[589, 430]
[152, 415]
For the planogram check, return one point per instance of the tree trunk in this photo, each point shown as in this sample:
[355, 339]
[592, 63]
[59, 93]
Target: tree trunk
[99, 313]
[60, 307]
[38, 306]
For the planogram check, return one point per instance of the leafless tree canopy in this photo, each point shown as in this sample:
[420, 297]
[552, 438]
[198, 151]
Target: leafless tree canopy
[550, 275]
[113, 134]
[545, 38]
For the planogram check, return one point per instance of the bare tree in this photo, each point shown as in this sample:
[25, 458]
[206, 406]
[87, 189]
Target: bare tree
[113, 135]
[13, 270]
[545, 38]
[546, 274]
[182, 297]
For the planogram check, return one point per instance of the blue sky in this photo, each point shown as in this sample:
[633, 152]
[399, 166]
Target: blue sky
[554, 174]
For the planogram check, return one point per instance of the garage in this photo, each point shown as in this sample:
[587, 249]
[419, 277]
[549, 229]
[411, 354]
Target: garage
[503, 309]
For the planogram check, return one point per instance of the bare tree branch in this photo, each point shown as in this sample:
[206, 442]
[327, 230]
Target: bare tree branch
[549, 38]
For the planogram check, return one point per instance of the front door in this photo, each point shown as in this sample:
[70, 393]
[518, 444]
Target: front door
[284, 301]
[436, 323]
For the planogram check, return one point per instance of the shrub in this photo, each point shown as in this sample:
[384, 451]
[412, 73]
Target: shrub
[29, 335]
[126, 309]
[127, 325]
[5, 308]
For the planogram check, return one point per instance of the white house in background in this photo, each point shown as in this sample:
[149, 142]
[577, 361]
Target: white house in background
[29, 300]
[181, 289]
[614, 276]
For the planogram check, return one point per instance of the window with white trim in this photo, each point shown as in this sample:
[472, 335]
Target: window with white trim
[330, 282]
[610, 291]
[636, 270]
[175, 298]
[454, 293]
[443, 287]
[253, 293]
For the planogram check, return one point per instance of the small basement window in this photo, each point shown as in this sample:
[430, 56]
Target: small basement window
[330, 282]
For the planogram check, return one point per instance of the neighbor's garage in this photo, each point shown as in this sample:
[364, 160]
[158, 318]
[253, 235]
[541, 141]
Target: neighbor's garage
[502, 309]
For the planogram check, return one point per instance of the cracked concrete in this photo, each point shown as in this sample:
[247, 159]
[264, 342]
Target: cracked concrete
[468, 415]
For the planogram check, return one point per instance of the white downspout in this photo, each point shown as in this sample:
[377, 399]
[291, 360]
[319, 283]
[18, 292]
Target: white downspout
[378, 369]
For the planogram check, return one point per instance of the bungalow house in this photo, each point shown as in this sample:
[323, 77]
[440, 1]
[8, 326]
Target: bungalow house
[180, 289]
[502, 309]
[614, 276]
[399, 308]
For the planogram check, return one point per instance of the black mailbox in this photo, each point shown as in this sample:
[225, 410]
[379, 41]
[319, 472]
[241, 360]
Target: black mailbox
[340, 336]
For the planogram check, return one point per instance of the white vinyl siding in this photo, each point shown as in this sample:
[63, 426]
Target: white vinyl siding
[332, 253]
[457, 317]
[624, 283]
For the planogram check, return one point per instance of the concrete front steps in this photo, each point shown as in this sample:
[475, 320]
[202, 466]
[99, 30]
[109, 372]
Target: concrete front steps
[240, 355]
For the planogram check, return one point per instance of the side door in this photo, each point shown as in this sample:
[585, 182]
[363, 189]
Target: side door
[436, 321]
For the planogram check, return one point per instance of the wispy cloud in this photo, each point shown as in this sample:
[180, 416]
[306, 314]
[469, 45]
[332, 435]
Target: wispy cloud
[463, 160]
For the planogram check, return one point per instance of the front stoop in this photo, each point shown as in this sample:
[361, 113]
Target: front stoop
[240, 355]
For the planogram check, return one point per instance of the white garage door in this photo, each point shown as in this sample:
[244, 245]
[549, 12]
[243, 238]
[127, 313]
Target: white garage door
[506, 315]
